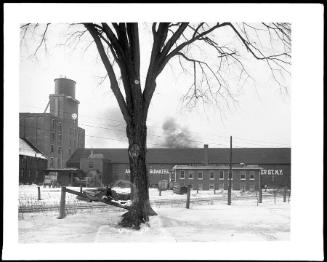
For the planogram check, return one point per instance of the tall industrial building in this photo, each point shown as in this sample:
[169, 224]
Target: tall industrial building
[55, 134]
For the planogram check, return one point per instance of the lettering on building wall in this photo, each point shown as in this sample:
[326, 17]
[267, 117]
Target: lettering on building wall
[152, 171]
[269, 172]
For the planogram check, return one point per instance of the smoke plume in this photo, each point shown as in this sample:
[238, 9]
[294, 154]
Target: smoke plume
[176, 136]
[113, 120]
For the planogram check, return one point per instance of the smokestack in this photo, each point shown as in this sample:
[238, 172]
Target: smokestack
[206, 154]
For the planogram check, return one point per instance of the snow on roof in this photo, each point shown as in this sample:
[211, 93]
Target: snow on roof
[62, 169]
[27, 149]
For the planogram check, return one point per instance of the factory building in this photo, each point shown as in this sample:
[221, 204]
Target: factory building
[273, 165]
[56, 134]
[205, 177]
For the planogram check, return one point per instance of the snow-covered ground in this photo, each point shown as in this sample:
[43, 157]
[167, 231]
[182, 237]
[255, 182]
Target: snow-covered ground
[215, 221]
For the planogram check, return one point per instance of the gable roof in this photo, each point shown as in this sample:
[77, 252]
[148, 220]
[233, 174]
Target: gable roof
[193, 155]
[27, 149]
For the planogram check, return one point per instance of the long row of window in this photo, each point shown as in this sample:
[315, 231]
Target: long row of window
[222, 174]
[211, 186]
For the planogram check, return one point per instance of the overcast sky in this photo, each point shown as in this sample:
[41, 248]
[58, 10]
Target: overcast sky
[260, 118]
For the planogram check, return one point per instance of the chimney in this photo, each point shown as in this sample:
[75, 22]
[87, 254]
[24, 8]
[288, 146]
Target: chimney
[206, 154]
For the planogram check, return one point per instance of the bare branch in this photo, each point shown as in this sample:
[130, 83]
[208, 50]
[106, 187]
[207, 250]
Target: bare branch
[193, 39]
[113, 80]
[174, 38]
[43, 39]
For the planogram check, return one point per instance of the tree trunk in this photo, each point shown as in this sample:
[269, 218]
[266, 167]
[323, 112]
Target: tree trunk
[141, 208]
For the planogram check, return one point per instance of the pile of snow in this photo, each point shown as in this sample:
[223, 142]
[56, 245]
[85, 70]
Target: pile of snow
[122, 190]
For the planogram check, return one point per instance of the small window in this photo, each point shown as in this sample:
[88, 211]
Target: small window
[190, 175]
[243, 175]
[211, 186]
[59, 150]
[172, 177]
[227, 175]
[212, 176]
[53, 124]
[182, 175]
[221, 175]
[91, 164]
[51, 162]
[51, 148]
[59, 138]
[252, 175]
[52, 137]
[59, 127]
[200, 175]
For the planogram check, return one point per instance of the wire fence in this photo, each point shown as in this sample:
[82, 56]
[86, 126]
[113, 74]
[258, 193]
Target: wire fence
[73, 205]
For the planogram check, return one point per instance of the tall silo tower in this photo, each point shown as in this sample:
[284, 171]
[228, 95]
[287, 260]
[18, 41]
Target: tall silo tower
[65, 135]
[63, 103]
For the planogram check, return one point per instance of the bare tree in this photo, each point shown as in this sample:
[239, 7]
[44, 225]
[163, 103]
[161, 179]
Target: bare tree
[118, 45]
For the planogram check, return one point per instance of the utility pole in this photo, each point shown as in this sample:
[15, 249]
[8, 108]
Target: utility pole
[260, 188]
[229, 201]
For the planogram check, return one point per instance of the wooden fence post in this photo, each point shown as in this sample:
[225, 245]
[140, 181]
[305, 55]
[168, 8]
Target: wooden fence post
[284, 195]
[38, 193]
[80, 189]
[159, 191]
[188, 196]
[62, 203]
[260, 188]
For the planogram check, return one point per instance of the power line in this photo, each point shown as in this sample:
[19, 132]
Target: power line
[51, 130]
[250, 141]
[152, 135]
[190, 140]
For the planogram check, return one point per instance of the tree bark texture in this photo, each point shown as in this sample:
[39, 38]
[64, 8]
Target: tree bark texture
[141, 208]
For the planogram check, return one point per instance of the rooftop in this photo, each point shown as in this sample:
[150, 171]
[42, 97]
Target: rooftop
[27, 149]
[188, 167]
[187, 156]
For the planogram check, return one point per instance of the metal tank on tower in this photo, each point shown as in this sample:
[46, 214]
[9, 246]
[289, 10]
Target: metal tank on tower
[63, 103]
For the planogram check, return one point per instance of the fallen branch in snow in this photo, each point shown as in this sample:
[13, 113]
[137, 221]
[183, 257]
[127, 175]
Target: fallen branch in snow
[88, 197]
